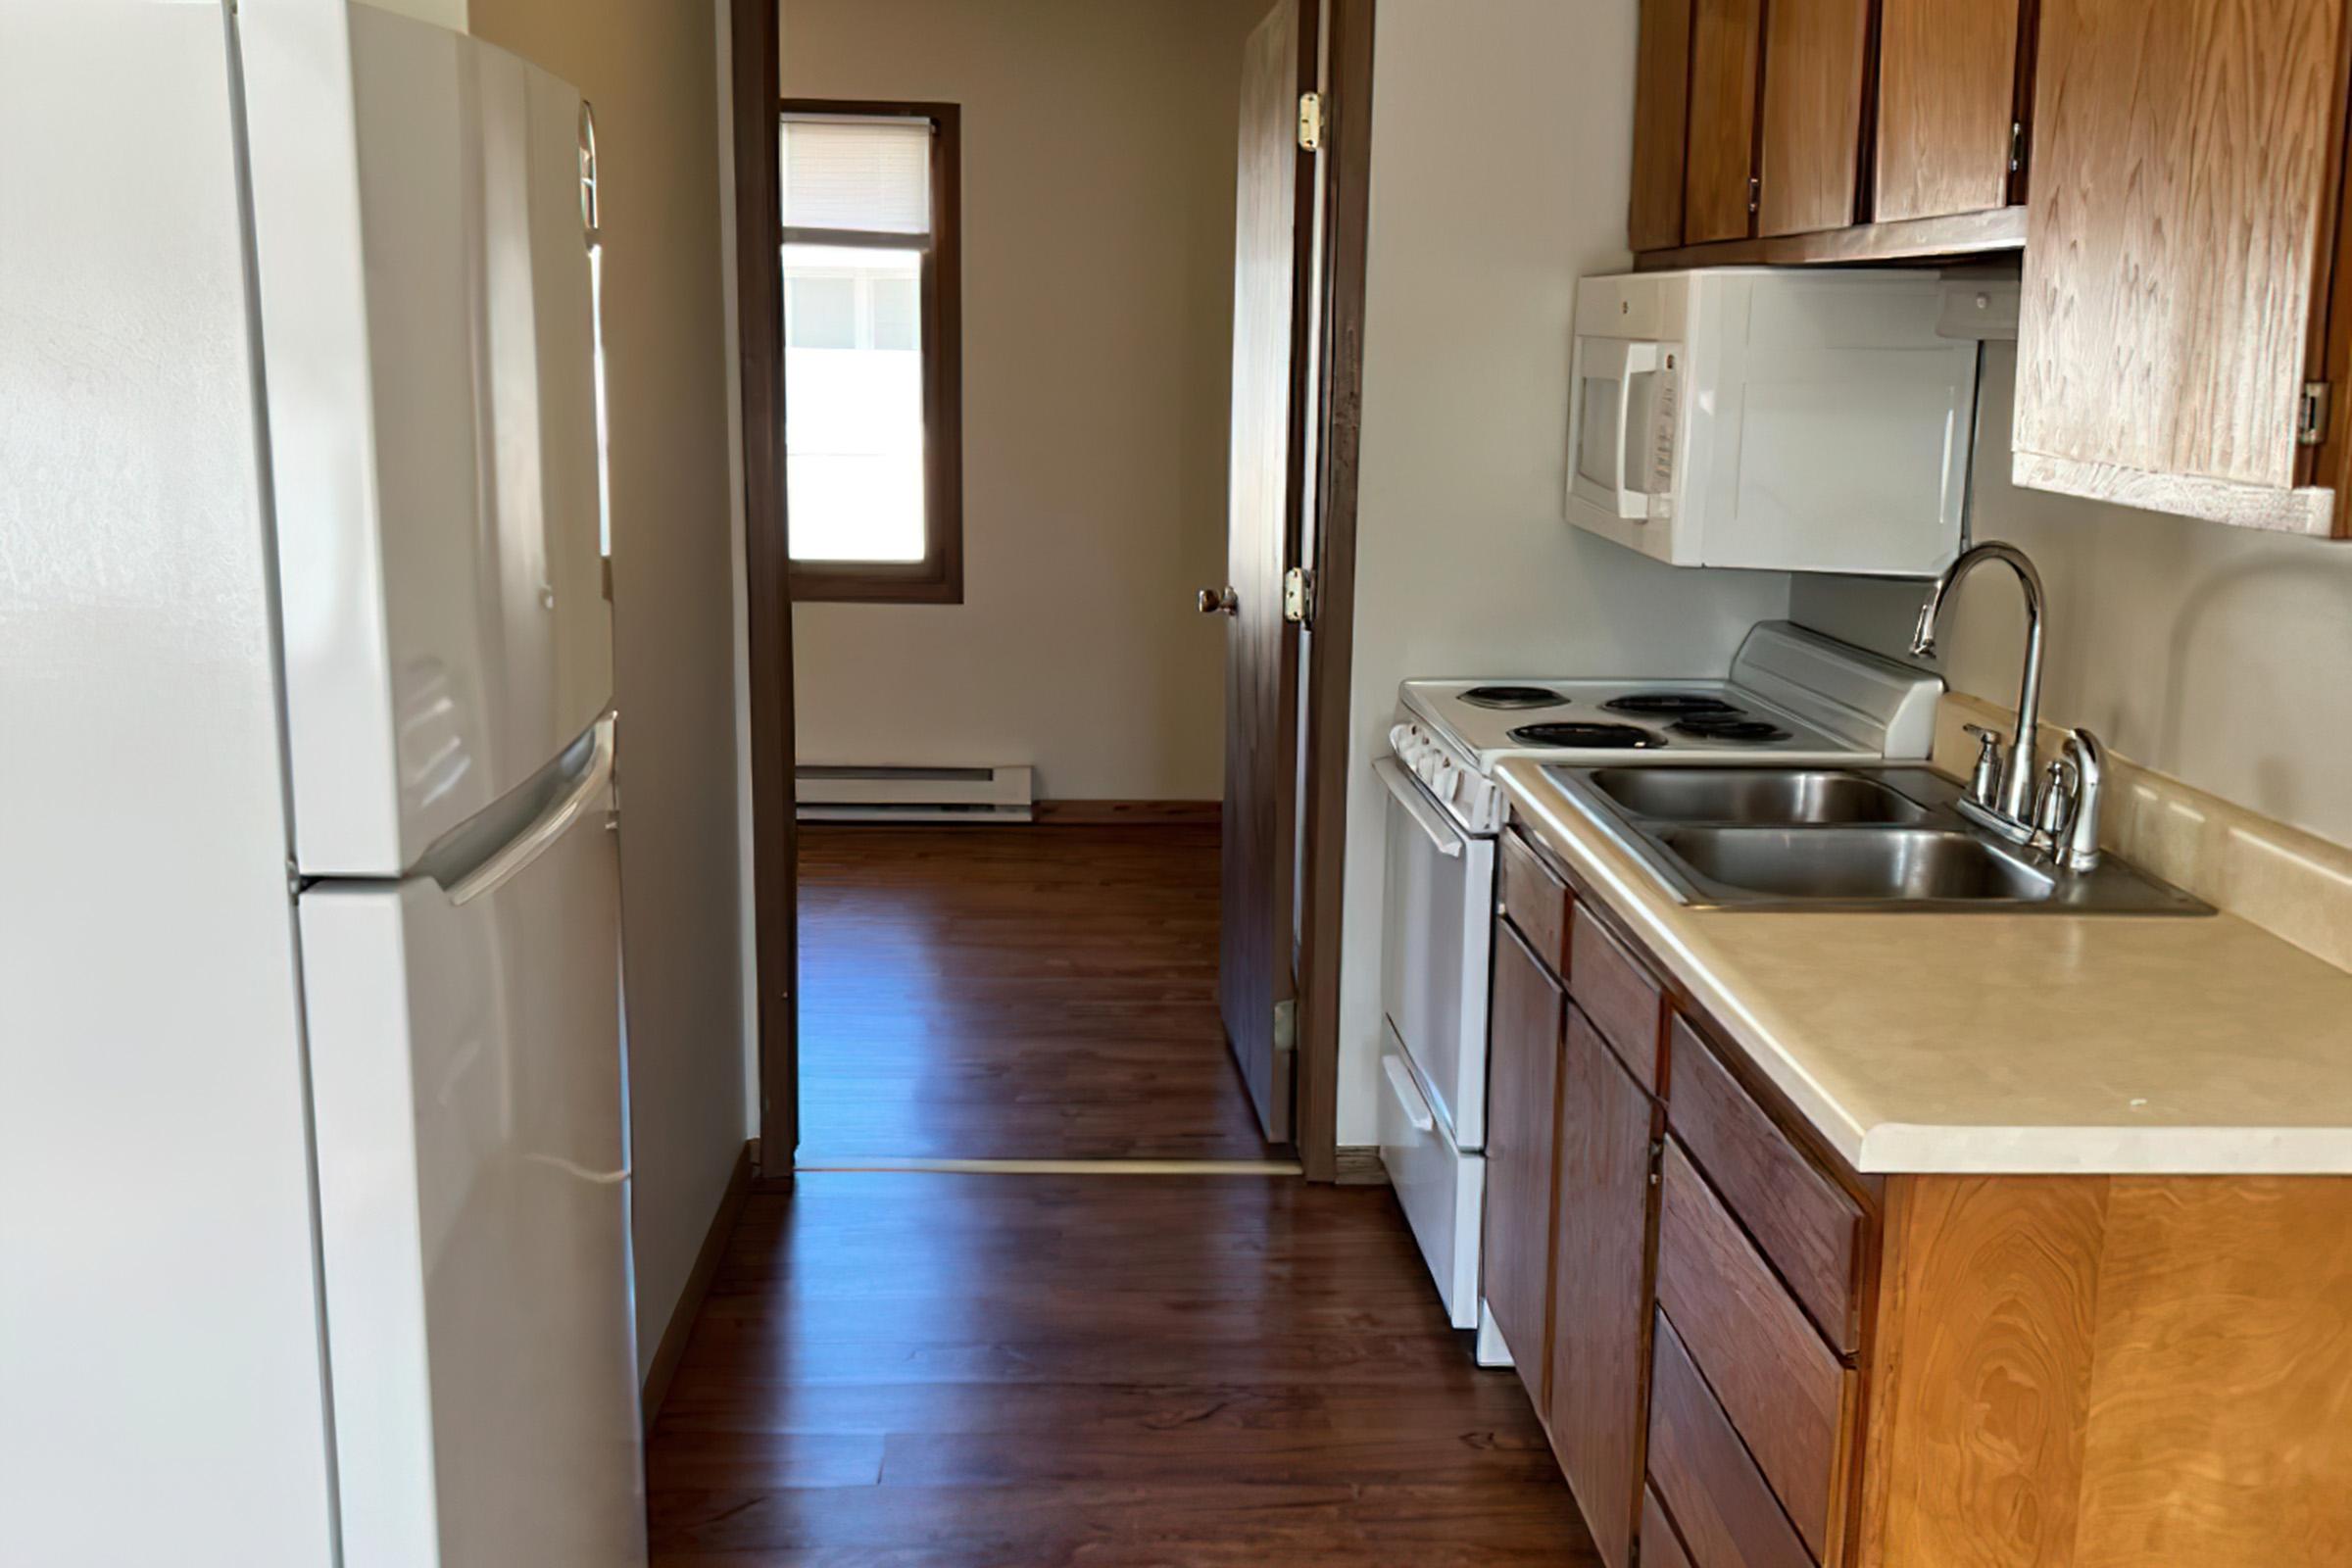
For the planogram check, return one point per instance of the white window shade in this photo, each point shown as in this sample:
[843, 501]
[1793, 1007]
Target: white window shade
[874, 176]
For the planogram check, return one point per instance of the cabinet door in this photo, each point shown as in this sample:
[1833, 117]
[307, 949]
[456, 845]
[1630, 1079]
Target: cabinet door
[1948, 98]
[1727, 41]
[1661, 120]
[1523, 1067]
[1814, 54]
[1599, 1296]
[2183, 169]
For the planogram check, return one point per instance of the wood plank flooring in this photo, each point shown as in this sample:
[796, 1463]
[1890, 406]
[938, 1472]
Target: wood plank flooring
[1014, 993]
[964, 1371]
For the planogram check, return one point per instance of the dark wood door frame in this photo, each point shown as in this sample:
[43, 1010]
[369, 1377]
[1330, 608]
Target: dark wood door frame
[1323, 814]
[755, 72]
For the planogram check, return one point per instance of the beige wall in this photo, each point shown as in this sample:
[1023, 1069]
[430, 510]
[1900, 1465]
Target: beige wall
[649, 67]
[2215, 655]
[1098, 248]
[1501, 138]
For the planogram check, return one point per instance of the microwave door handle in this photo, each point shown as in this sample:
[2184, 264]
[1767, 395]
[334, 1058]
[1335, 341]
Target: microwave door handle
[1641, 359]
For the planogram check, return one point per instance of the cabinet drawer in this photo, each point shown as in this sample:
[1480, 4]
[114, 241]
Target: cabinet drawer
[1703, 1475]
[1661, 1548]
[1808, 1226]
[1783, 1391]
[1617, 994]
[1535, 900]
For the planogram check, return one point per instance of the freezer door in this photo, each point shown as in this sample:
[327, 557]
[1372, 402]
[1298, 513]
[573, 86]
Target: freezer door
[423, 281]
[468, 1088]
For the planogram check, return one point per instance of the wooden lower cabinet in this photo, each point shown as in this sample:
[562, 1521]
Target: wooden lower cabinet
[1526, 1016]
[1601, 1284]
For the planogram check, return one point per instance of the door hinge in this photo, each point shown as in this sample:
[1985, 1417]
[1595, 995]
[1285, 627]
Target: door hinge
[2311, 415]
[1286, 1024]
[2017, 145]
[1299, 596]
[1311, 121]
[1756, 192]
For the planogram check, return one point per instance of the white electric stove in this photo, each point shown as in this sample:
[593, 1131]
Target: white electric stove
[1790, 698]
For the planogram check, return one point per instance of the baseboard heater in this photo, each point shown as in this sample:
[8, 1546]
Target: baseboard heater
[914, 794]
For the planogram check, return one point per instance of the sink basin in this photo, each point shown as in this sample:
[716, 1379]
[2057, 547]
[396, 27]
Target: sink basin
[1882, 840]
[1761, 795]
[1906, 864]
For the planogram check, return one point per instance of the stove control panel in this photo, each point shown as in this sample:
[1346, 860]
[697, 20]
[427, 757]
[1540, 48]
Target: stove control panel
[1469, 795]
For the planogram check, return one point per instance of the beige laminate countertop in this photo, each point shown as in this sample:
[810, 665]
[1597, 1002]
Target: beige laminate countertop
[2007, 1043]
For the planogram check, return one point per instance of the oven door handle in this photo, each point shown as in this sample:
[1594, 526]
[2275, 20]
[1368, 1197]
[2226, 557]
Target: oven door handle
[1424, 812]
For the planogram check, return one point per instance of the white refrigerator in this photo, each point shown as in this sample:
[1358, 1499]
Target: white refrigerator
[301, 508]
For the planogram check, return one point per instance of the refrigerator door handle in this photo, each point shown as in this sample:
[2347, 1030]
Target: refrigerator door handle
[475, 878]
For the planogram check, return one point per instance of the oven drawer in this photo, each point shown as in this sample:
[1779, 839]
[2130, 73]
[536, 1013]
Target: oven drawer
[1438, 937]
[1439, 1188]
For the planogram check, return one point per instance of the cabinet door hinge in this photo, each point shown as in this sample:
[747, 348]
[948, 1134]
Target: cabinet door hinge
[1311, 121]
[1286, 1024]
[2017, 145]
[1756, 192]
[2311, 415]
[1299, 596]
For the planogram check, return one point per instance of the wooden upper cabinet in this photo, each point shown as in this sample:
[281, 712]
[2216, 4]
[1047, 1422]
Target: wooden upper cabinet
[1661, 117]
[2179, 247]
[1948, 112]
[1815, 56]
[1727, 42]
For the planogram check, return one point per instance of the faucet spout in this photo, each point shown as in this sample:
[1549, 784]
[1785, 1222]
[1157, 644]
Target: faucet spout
[2017, 780]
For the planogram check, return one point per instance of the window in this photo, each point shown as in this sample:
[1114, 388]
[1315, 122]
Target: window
[873, 468]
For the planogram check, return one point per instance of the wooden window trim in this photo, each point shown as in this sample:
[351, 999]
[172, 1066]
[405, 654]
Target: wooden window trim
[938, 578]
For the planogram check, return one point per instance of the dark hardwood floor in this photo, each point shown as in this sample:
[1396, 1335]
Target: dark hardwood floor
[966, 1371]
[1023, 993]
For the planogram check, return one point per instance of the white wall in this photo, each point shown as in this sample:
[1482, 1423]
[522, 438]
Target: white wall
[161, 1388]
[2215, 655]
[650, 68]
[1099, 145]
[1501, 142]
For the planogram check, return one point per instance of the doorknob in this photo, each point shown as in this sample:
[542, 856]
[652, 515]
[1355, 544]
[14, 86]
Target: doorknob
[1216, 602]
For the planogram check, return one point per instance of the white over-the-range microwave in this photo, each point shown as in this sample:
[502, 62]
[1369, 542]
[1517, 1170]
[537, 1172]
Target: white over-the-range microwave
[1778, 418]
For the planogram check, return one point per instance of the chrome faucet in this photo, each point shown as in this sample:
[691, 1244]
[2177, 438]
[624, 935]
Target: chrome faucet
[2012, 812]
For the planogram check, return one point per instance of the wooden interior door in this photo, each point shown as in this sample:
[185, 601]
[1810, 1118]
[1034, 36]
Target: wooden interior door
[1599, 1296]
[1948, 98]
[1273, 210]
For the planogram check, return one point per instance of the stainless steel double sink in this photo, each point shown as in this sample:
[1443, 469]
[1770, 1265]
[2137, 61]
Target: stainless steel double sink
[1803, 838]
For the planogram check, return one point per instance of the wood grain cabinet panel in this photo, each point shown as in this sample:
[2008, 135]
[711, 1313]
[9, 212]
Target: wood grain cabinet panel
[1702, 1473]
[1780, 1385]
[1535, 901]
[2177, 252]
[1619, 996]
[1661, 1546]
[1808, 1226]
[1815, 54]
[1528, 1016]
[1727, 44]
[1661, 124]
[1601, 1284]
[1948, 98]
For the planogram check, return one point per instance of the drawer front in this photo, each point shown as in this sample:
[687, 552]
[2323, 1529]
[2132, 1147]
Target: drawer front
[1617, 994]
[1807, 1225]
[1783, 1389]
[1702, 1472]
[1535, 900]
[1438, 1186]
[1661, 1548]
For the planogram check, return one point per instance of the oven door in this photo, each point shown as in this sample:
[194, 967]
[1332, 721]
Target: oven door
[1437, 935]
